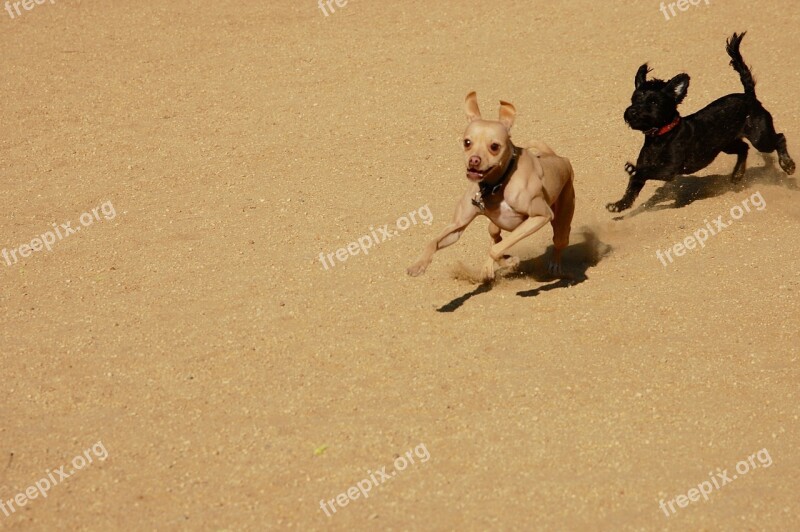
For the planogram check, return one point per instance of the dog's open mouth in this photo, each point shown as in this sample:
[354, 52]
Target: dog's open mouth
[473, 174]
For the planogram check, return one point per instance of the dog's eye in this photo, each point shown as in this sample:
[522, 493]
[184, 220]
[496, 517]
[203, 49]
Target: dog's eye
[467, 143]
[494, 147]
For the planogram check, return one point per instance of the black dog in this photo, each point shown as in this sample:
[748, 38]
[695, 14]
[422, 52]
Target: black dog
[681, 146]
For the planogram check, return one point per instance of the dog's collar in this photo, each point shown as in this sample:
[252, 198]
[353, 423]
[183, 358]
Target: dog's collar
[657, 132]
[488, 189]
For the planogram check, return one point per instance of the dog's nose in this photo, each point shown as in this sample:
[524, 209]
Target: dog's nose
[474, 161]
[631, 113]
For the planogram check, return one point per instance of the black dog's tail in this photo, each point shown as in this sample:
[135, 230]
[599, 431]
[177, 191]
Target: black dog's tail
[738, 64]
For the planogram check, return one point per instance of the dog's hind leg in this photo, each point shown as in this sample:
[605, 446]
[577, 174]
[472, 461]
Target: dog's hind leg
[760, 131]
[739, 148]
[563, 210]
[784, 159]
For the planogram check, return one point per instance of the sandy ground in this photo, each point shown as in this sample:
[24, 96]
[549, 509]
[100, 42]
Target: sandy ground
[233, 382]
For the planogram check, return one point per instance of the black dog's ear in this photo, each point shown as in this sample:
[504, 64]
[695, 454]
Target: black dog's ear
[677, 87]
[641, 75]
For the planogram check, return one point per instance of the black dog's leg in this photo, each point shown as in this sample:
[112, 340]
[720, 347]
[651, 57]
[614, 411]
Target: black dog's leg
[635, 185]
[784, 159]
[739, 148]
[760, 131]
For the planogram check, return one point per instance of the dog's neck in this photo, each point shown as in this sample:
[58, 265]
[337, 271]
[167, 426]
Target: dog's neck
[657, 132]
[487, 189]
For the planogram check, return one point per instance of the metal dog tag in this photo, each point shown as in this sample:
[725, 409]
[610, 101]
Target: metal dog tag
[478, 201]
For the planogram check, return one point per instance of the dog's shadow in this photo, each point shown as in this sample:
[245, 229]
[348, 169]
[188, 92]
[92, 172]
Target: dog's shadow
[685, 190]
[576, 260]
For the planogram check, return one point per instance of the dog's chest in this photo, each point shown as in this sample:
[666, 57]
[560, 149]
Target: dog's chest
[505, 217]
[670, 159]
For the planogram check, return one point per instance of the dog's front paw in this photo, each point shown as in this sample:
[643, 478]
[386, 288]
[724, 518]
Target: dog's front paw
[487, 274]
[510, 262]
[616, 207]
[417, 269]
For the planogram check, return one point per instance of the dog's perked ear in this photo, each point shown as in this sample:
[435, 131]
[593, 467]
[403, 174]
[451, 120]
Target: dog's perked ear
[507, 114]
[471, 105]
[677, 87]
[641, 75]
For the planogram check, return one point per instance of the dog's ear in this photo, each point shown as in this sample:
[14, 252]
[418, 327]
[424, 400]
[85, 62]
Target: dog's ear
[677, 87]
[641, 75]
[507, 114]
[471, 105]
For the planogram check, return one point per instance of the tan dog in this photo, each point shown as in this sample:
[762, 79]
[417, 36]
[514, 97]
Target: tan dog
[519, 190]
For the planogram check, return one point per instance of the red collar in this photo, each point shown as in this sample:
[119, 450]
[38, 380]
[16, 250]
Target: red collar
[666, 129]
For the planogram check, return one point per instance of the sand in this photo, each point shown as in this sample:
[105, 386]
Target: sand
[235, 382]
